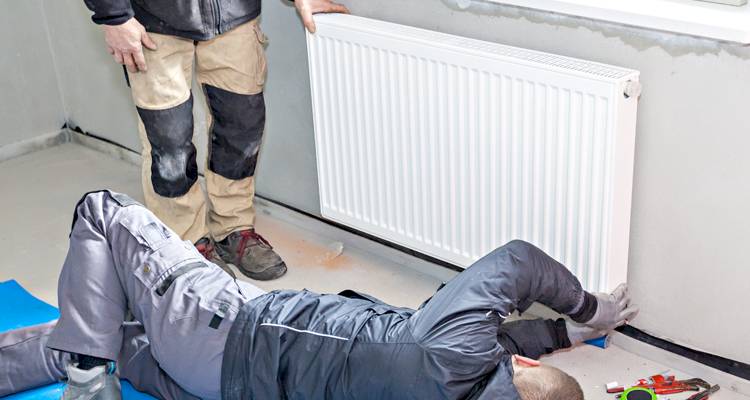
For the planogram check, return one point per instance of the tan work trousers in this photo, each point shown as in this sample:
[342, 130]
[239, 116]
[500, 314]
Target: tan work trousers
[232, 67]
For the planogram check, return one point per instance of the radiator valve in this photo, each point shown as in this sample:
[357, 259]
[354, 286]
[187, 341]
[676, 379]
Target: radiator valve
[632, 89]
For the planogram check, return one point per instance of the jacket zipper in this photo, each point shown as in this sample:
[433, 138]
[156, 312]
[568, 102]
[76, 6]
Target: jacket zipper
[217, 15]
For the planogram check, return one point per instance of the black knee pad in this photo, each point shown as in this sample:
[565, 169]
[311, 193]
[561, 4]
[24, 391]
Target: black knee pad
[174, 169]
[236, 132]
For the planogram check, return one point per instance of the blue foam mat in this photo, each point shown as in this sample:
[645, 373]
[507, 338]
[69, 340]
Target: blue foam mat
[18, 309]
[55, 391]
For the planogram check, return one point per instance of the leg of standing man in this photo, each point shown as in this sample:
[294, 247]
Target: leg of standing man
[231, 69]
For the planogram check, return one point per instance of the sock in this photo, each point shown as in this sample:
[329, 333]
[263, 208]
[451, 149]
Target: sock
[87, 362]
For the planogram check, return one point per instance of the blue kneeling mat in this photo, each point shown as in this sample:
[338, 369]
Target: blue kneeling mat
[18, 309]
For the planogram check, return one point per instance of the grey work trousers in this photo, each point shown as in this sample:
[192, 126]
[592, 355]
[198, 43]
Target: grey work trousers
[122, 258]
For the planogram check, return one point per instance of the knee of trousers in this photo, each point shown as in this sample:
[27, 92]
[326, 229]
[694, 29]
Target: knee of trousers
[93, 203]
[236, 132]
[174, 169]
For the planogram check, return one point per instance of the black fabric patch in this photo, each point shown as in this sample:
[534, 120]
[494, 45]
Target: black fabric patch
[174, 169]
[236, 132]
[162, 289]
[588, 309]
[727, 365]
[533, 338]
[219, 316]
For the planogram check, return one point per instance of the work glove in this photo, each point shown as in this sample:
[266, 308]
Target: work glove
[579, 333]
[612, 309]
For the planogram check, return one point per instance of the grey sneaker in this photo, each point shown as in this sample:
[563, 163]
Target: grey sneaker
[98, 383]
[207, 248]
[252, 254]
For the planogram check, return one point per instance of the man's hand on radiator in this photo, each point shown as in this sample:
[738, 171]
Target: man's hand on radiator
[306, 9]
[613, 309]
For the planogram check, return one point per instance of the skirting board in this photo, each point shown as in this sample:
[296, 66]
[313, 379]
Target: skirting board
[41, 142]
[65, 135]
[110, 149]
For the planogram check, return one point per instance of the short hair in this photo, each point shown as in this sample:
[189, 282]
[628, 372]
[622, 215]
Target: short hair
[546, 383]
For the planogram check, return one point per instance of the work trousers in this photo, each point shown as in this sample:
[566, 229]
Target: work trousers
[231, 70]
[123, 259]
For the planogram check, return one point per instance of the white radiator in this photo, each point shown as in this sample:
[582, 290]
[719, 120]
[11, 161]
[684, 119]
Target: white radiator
[453, 146]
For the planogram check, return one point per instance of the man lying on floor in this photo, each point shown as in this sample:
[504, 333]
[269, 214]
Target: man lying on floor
[200, 333]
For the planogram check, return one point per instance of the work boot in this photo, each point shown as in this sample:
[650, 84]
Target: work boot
[98, 383]
[207, 248]
[252, 254]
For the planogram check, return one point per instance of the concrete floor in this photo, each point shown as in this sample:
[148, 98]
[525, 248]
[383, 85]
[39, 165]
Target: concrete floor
[41, 188]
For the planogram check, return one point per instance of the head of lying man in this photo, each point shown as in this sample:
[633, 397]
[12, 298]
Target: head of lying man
[536, 381]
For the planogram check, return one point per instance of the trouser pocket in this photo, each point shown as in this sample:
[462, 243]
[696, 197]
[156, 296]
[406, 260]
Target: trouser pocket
[190, 333]
[234, 61]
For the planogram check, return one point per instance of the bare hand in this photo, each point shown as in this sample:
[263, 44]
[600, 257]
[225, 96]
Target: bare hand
[306, 9]
[125, 43]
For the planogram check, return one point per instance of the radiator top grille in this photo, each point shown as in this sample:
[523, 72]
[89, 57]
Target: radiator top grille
[508, 53]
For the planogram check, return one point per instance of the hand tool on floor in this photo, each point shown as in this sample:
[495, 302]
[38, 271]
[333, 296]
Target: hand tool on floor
[704, 394]
[668, 384]
[664, 384]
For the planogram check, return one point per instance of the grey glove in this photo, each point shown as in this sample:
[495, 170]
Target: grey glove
[612, 309]
[578, 333]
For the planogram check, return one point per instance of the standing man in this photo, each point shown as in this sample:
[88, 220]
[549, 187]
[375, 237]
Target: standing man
[162, 42]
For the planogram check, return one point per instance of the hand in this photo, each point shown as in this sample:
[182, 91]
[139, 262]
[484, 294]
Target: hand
[125, 43]
[578, 333]
[613, 309]
[306, 9]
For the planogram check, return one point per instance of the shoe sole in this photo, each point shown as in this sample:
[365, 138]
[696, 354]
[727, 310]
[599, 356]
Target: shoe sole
[277, 271]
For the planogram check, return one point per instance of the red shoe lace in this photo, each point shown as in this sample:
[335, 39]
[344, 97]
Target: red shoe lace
[247, 235]
[206, 250]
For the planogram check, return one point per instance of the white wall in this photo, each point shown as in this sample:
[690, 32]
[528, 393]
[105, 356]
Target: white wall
[691, 220]
[30, 103]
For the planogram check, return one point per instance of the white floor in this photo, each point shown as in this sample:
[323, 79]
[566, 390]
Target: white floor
[41, 188]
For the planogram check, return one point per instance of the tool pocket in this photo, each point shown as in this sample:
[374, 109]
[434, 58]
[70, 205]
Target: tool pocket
[165, 252]
[262, 66]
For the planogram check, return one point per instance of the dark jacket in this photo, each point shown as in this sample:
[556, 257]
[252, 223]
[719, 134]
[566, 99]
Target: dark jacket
[192, 19]
[291, 345]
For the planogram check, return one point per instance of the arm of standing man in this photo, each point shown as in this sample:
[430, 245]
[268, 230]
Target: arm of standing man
[124, 35]
[306, 9]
